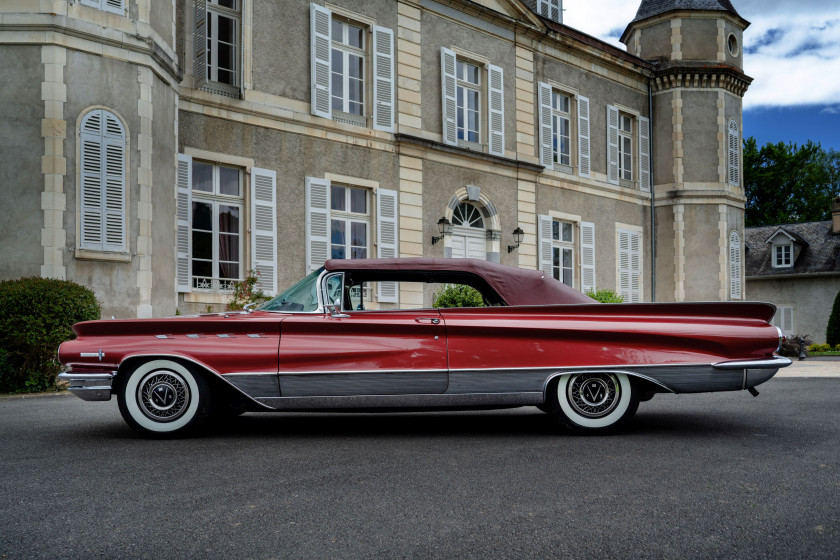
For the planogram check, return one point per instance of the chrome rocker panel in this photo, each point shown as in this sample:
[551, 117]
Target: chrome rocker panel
[89, 386]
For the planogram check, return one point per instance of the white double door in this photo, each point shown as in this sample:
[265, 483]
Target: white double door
[469, 243]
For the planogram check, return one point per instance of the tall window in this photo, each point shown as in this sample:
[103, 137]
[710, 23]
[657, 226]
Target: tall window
[784, 319]
[468, 101]
[348, 68]
[625, 147]
[563, 252]
[102, 149]
[349, 222]
[216, 226]
[561, 128]
[735, 284]
[734, 154]
[218, 44]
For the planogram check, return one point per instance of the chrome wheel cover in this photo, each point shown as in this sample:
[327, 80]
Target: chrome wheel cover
[593, 395]
[163, 395]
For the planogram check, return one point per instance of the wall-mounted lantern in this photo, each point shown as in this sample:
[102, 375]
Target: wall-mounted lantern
[518, 235]
[444, 227]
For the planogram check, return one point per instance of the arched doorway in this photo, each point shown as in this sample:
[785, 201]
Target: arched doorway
[469, 236]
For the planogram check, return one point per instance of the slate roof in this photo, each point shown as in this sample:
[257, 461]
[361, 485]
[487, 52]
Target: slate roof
[650, 8]
[820, 252]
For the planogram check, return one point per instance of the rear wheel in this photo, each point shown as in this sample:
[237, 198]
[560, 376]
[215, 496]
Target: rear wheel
[163, 398]
[593, 402]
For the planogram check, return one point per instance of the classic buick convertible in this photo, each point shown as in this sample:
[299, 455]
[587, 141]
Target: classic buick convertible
[320, 346]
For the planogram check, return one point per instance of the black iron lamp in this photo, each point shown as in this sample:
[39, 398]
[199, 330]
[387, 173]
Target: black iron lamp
[444, 227]
[518, 235]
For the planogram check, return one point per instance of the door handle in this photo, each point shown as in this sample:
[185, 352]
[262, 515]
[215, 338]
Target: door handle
[432, 320]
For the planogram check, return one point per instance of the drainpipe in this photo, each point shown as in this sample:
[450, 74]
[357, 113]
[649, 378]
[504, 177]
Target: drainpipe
[652, 199]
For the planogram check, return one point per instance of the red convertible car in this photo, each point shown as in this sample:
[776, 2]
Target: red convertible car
[319, 346]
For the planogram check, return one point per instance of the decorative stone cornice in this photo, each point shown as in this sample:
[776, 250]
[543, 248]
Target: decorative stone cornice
[713, 76]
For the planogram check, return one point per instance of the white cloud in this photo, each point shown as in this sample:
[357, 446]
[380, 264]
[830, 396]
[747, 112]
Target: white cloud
[798, 64]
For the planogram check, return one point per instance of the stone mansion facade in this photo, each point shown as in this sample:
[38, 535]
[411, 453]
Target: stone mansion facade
[158, 151]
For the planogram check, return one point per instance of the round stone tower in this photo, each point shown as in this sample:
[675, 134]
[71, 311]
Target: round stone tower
[697, 93]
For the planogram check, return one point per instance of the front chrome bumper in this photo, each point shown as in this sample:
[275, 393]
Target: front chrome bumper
[89, 386]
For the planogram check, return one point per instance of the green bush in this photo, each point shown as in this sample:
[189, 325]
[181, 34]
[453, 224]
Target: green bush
[832, 331]
[605, 296]
[819, 348]
[35, 317]
[245, 292]
[458, 295]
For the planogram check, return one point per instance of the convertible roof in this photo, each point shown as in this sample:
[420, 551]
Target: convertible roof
[516, 286]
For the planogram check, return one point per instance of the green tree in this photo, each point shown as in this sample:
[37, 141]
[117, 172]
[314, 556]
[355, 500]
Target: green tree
[786, 183]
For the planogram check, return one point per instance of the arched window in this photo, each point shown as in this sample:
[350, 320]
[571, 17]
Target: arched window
[735, 291]
[102, 142]
[734, 154]
[467, 215]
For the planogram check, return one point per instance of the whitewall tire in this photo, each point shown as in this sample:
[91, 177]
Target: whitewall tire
[163, 398]
[593, 401]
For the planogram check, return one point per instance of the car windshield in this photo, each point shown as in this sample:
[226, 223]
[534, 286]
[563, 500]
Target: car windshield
[301, 297]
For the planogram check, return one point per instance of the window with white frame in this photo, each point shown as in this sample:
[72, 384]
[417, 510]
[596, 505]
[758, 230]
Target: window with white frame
[551, 9]
[113, 6]
[468, 101]
[558, 245]
[561, 128]
[352, 69]
[625, 147]
[102, 200]
[783, 255]
[734, 154]
[563, 252]
[340, 222]
[348, 68]
[559, 112]
[216, 224]
[217, 215]
[628, 149]
[349, 222]
[473, 103]
[217, 45]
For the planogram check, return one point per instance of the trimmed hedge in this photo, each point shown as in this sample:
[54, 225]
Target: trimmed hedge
[35, 317]
[458, 295]
[605, 296]
[832, 331]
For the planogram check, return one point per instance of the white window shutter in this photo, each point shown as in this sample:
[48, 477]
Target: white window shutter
[587, 256]
[383, 78]
[496, 103]
[92, 216]
[200, 44]
[544, 229]
[321, 49]
[114, 6]
[550, 9]
[787, 320]
[612, 144]
[449, 88]
[735, 290]
[644, 154]
[635, 267]
[545, 124]
[584, 157]
[387, 239]
[113, 140]
[264, 228]
[183, 211]
[734, 154]
[317, 223]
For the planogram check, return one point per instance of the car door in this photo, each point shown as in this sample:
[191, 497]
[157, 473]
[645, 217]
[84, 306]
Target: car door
[391, 352]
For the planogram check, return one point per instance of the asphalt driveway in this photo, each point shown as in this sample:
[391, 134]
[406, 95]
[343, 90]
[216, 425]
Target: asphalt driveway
[696, 476]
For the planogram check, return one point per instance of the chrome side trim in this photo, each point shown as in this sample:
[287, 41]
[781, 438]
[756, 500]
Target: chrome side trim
[403, 401]
[89, 386]
[775, 362]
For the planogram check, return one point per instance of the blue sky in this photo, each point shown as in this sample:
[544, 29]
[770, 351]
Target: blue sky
[791, 49]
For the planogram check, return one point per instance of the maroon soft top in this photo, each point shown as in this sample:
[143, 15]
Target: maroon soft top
[516, 286]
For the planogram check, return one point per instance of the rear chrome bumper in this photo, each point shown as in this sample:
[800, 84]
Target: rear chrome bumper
[756, 372]
[89, 386]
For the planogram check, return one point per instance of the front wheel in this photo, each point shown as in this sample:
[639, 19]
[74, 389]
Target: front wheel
[594, 402]
[163, 398]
